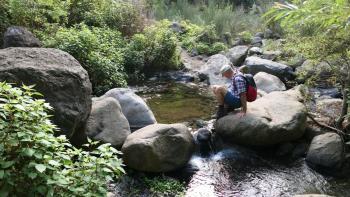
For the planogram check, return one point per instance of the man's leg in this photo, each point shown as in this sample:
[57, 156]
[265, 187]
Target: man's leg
[220, 92]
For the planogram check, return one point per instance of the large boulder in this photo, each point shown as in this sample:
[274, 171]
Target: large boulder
[158, 148]
[59, 77]
[268, 83]
[273, 119]
[212, 69]
[326, 151]
[107, 122]
[257, 64]
[134, 107]
[237, 54]
[20, 37]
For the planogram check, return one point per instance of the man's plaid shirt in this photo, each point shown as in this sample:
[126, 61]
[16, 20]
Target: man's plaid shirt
[238, 85]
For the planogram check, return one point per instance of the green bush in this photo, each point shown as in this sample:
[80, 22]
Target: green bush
[154, 50]
[100, 52]
[201, 38]
[217, 47]
[119, 15]
[33, 162]
[34, 14]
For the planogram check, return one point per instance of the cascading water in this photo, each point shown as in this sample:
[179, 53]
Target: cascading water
[241, 172]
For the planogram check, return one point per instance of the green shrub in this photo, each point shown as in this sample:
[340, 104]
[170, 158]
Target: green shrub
[201, 38]
[34, 14]
[119, 15]
[154, 50]
[33, 162]
[217, 47]
[100, 52]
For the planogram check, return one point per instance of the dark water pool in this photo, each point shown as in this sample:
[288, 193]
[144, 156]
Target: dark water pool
[178, 102]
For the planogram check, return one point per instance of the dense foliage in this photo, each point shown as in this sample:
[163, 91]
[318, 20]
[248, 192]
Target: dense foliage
[33, 162]
[319, 30]
[99, 50]
[119, 15]
[227, 16]
[106, 37]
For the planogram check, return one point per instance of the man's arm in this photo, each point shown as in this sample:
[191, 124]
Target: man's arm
[243, 97]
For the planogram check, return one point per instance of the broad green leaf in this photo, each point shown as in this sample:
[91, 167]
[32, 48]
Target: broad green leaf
[6, 164]
[28, 152]
[40, 168]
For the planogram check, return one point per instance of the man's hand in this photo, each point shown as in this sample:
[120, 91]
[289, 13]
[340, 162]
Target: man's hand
[242, 114]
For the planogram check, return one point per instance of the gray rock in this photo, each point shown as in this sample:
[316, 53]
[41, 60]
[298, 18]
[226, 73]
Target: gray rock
[237, 54]
[271, 55]
[238, 41]
[256, 41]
[275, 118]
[326, 151]
[255, 51]
[134, 107]
[212, 69]
[256, 64]
[177, 28]
[268, 83]
[59, 77]
[107, 122]
[20, 37]
[158, 148]
[259, 34]
[268, 34]
[203, 135]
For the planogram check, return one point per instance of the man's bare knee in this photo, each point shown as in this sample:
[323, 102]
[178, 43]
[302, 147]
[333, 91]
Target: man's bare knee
[221, 90]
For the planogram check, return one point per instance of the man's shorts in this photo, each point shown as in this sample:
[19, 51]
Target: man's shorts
[231, 100]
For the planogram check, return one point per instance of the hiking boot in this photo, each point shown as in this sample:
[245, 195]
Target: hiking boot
[221, 112]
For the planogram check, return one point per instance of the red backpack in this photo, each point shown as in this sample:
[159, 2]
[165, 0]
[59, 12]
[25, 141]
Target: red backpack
[252, 90]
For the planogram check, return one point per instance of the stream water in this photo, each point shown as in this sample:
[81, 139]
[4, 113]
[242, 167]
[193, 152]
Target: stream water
[235, 171]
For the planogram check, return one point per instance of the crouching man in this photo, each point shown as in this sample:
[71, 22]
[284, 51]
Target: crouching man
[234, 96]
